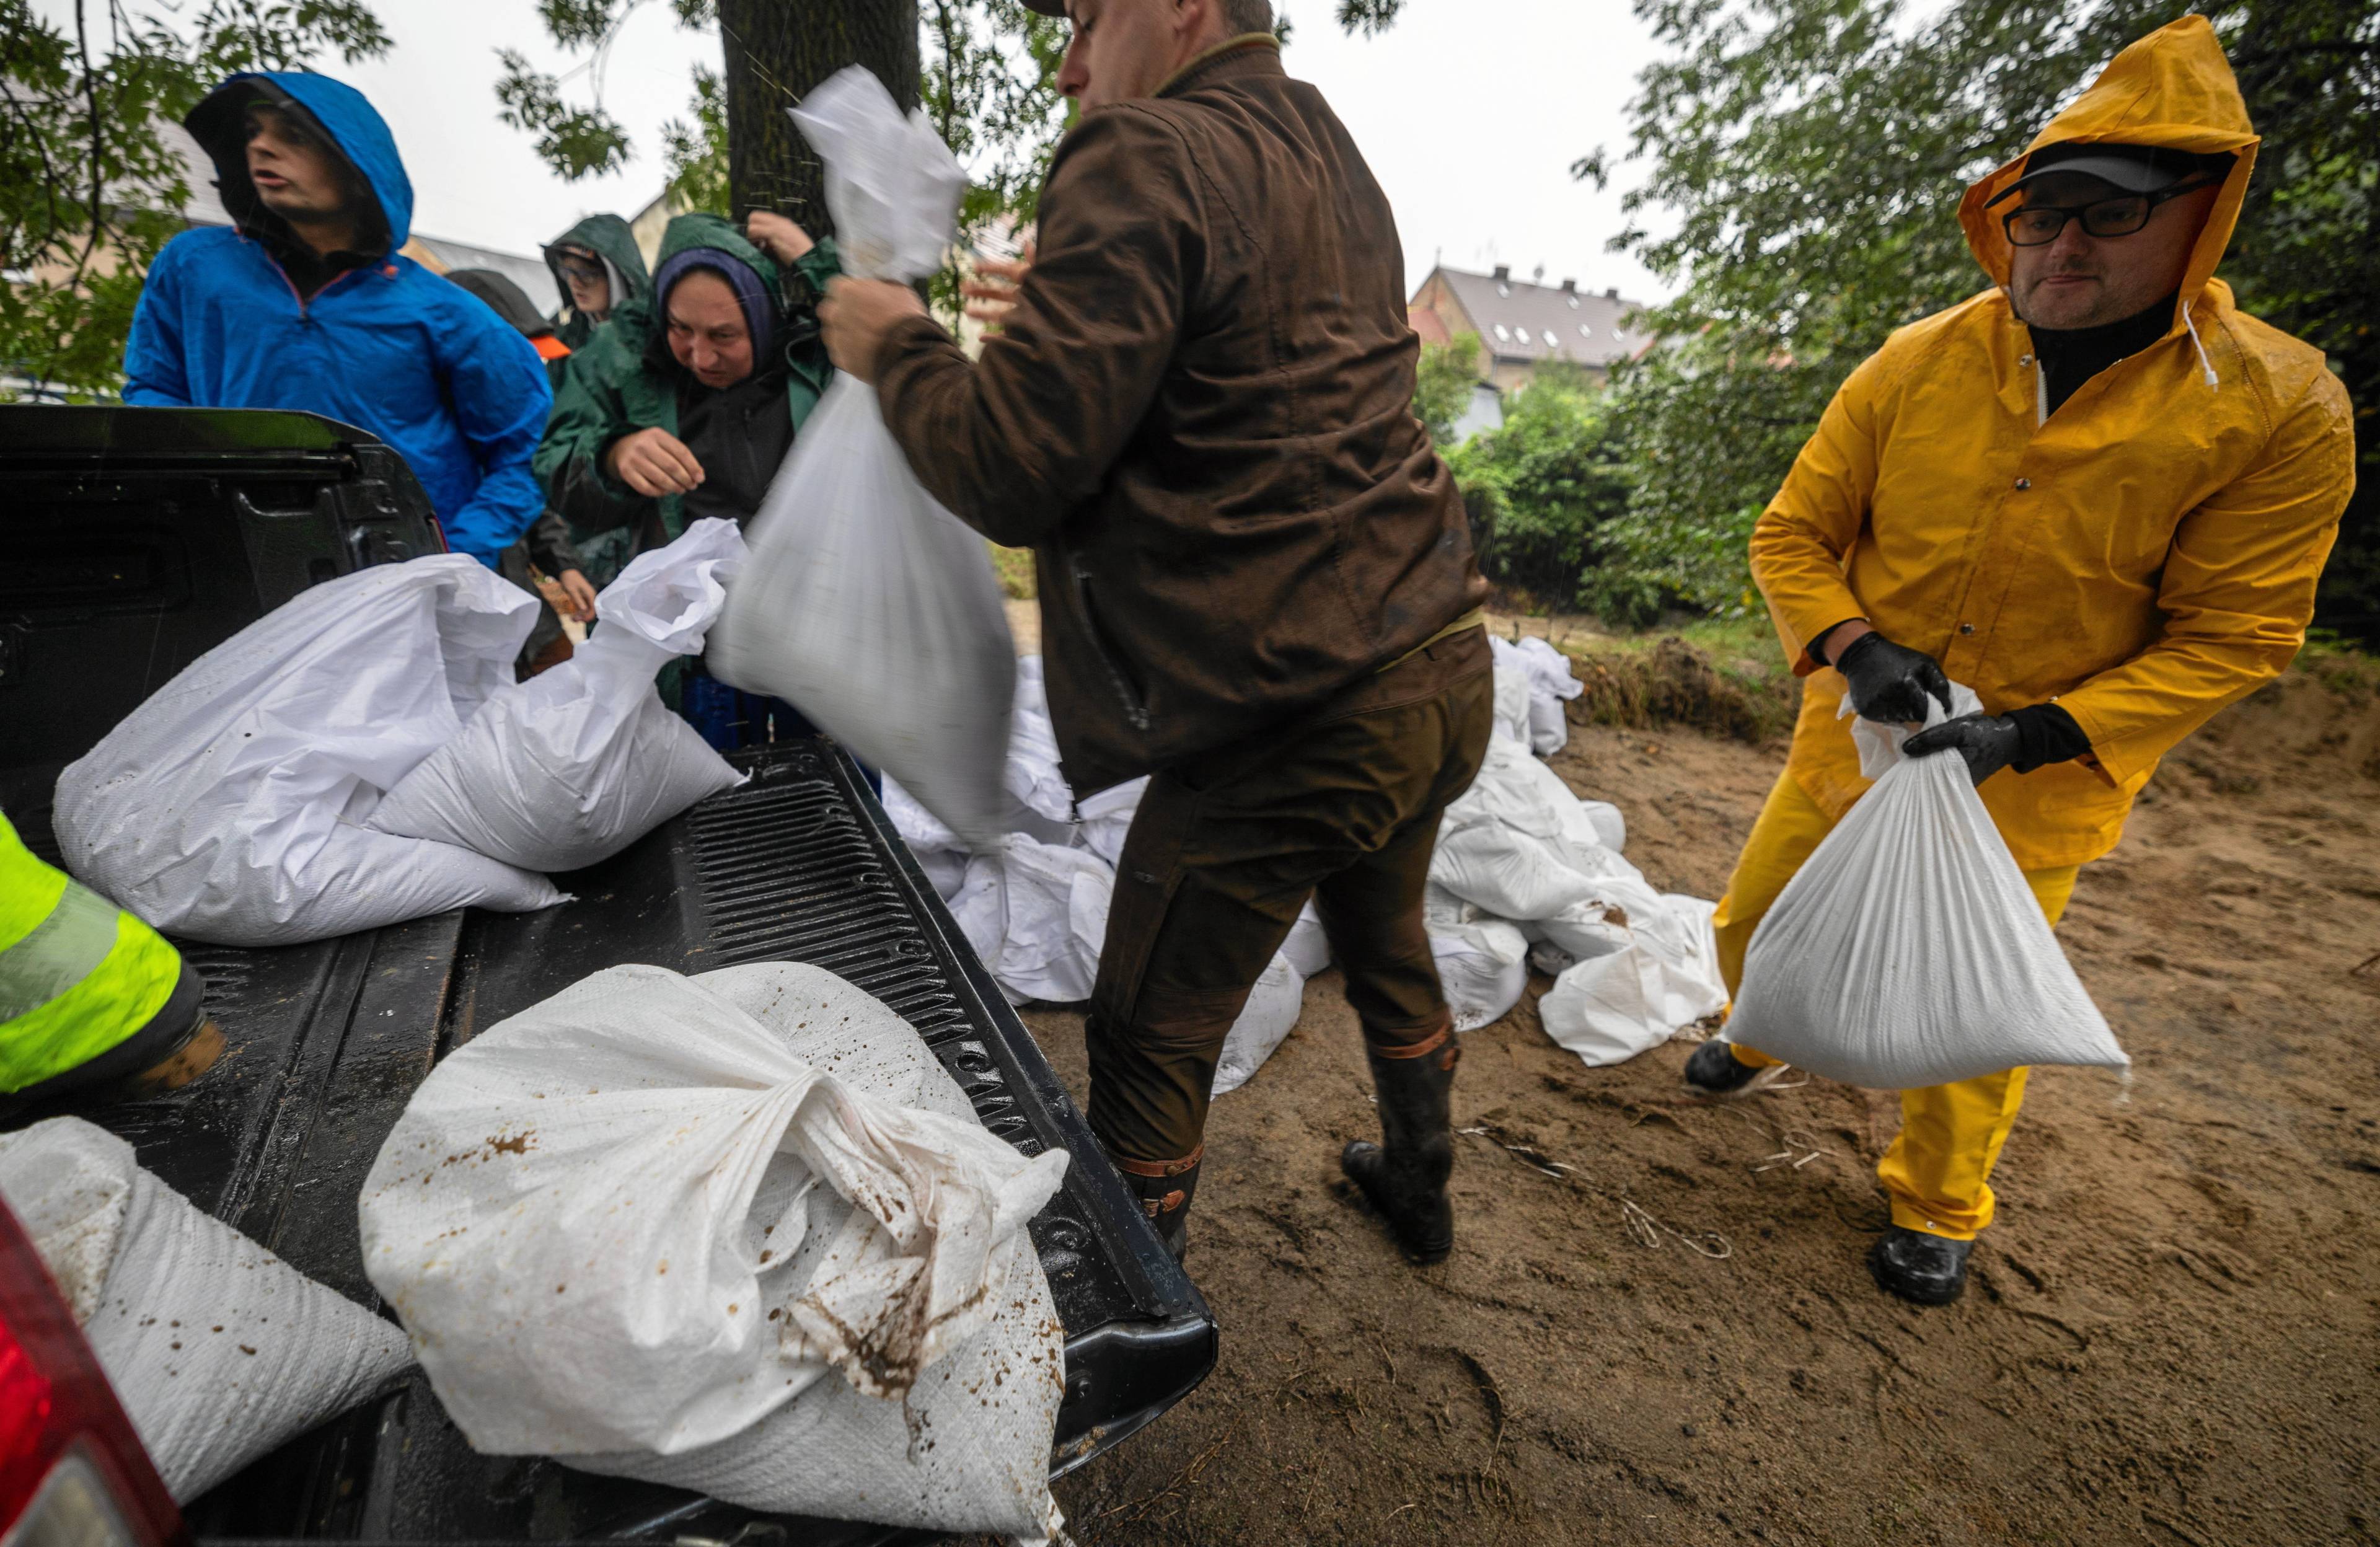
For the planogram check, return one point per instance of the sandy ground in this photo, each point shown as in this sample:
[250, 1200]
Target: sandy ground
[2168, 1337]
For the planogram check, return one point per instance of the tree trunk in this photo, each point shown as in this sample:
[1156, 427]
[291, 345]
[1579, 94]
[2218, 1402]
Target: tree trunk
[776, 52]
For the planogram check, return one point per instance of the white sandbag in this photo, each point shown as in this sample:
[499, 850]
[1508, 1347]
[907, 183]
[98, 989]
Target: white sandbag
[1608, 822]
[1265, 1022]
[218, 1350]
[1607, 1008]
[1482, 968]
[1041, 802]
[1017, 908]
[1908, 950]
[1511, 682]
[1510, 873]
[866, 604]
[738, 1231]
[1551, 685]
[1308, 947]
[1107, 818]
[228, 807]
[935, 849]
[579, 762]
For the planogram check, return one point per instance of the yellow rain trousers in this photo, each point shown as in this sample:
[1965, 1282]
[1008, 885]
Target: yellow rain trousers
[78, 974]
[2144, 556]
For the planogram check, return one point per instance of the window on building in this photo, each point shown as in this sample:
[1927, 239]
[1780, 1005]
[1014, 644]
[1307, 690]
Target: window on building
[1503, 334]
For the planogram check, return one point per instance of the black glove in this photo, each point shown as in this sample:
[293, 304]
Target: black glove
[1889, 682]
[1988, 742]
[2024, 739]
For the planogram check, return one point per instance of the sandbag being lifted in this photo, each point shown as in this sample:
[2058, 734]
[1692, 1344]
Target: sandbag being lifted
[1908, 950]
[867, 603]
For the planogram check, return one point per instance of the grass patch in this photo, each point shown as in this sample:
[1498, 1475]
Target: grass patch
[1725, 675]
[1014, 568]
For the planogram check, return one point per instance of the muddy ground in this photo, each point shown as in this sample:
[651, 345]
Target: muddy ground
[2169, 1336]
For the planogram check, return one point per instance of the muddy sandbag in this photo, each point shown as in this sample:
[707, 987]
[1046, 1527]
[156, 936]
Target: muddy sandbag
[739, 1232]
[219, 1351]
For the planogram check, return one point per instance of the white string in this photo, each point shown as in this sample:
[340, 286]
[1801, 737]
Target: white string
[2204, 364]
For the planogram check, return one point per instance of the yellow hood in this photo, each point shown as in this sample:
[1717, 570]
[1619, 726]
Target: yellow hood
[2174, 90]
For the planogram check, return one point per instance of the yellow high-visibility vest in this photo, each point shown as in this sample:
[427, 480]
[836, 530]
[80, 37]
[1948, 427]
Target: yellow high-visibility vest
[78, 974]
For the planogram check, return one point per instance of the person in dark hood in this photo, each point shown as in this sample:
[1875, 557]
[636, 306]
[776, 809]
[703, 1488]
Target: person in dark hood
[547, 549]
[598, 268]
[304, 302]
[684, 407]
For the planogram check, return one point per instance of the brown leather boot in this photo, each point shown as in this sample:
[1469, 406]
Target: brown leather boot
[1404, 1175]
[1165, 1189]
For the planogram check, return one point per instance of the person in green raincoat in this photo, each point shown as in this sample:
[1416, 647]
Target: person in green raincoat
[598, 269]
[684, 406]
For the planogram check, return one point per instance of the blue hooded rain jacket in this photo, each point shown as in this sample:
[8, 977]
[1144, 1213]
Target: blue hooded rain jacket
[389, 347]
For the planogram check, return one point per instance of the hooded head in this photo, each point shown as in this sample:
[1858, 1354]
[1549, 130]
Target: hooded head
[380, 195]
[2170, 92]
[710, 286]
[607, 242]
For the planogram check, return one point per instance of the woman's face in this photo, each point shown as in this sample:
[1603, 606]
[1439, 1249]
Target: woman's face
[706, 330]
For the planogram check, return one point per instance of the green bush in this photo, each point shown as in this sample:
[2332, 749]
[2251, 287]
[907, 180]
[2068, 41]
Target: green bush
[1543, 489]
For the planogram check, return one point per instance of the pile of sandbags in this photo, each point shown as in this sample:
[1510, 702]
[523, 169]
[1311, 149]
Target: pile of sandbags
[1034, 901]
[361, 755]
[1520, 852]
[1526, 874]
[738, 1233]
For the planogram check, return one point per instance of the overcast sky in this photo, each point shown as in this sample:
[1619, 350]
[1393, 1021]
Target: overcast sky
[1469, 111]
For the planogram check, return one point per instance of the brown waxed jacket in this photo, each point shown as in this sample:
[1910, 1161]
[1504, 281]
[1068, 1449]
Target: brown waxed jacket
[1199, 417]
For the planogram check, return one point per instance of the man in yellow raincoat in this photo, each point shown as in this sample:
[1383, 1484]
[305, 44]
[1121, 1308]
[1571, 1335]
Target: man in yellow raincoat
[2098, 493]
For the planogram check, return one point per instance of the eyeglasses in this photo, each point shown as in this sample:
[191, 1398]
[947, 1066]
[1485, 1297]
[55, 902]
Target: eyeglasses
[2038, 224]
[581, 270]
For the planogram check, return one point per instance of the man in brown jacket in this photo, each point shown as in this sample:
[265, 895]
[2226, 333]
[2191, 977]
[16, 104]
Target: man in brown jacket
[1256, 575]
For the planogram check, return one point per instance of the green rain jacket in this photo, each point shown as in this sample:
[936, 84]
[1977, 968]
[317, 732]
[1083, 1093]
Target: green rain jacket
[607, 237]
[612, 388]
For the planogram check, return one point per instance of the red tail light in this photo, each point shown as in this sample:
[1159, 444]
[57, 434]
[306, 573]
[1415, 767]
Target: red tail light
[72, 1472]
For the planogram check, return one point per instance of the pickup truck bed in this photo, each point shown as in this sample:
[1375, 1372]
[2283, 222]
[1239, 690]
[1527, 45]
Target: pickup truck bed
[326, 1042]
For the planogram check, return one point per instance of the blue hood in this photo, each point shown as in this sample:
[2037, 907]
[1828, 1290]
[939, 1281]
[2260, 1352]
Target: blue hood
[344, 115]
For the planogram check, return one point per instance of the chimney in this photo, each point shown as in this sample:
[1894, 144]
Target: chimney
[1570, 286]
[1503, 274]
[1611, 294]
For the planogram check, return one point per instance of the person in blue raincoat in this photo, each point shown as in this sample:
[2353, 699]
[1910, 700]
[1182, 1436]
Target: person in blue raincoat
[305, 303]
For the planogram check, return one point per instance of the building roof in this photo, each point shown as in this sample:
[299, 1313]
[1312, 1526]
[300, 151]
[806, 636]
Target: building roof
[1520, 320]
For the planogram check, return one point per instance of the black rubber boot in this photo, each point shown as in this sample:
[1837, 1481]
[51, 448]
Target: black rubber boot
[1921, 1269]
[1165, 1189]
[1404, 1176]
[1713, 1069]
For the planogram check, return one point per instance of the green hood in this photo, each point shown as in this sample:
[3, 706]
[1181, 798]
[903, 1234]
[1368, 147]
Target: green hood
[620, 381]
[608, 237]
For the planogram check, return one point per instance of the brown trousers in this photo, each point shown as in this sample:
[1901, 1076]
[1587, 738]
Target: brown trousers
[1226, 848]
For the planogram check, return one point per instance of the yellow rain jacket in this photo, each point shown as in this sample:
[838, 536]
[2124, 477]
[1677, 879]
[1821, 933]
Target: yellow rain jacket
[2145, 556]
